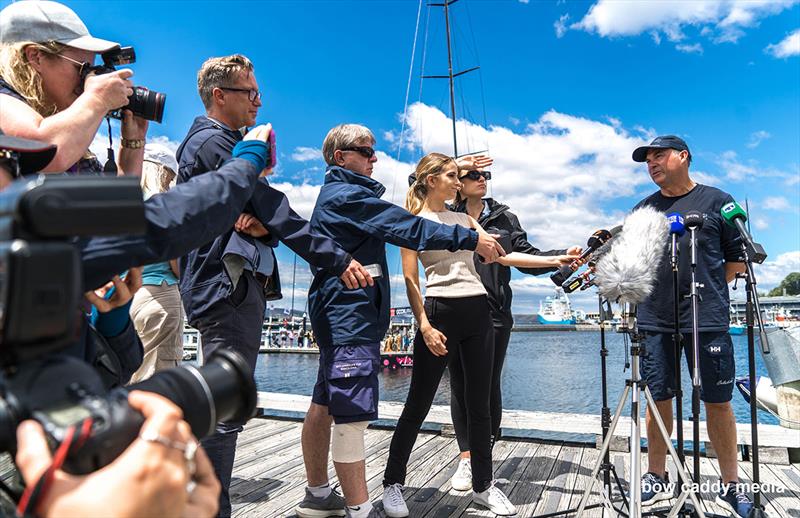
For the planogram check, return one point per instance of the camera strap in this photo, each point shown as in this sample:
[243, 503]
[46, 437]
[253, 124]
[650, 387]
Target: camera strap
[110, 166]
[34, 494]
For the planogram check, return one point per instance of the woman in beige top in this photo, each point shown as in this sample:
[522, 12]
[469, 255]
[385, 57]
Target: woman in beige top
[454, 331]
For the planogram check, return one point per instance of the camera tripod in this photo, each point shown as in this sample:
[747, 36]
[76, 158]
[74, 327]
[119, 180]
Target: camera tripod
[606, 466]
[635, 386]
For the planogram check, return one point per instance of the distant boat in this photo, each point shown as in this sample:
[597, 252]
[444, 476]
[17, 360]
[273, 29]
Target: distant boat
[556, 310]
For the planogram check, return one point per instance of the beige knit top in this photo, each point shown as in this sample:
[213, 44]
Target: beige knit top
[450, 274]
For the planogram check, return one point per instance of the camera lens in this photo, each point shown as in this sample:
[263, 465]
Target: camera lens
[221, 390]
[147, 104]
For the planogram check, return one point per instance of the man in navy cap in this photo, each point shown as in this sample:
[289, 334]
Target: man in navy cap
[668, 159]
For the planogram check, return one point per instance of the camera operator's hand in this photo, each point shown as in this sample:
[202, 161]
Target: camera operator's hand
[248, 224]
[112, 89]
[560, 260]
[474, 162]
[124, 290]
[133, 127]
[435, 340]
[574, 250]
[148, 479]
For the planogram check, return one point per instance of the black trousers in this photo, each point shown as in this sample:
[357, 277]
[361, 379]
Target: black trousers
[467, 325]
[458, 408]
[233, 323]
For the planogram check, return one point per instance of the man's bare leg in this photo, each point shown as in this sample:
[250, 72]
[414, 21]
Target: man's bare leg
[316, 441]
[722, 432]
[353, 480]
[656, 447]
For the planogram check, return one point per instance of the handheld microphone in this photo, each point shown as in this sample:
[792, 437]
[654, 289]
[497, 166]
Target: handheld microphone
[627, 273]
[596, 240]
[735, 216]
[676, 230]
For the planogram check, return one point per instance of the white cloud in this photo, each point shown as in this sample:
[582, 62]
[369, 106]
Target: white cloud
[761, 223]
[560, 25]
[554, 173]
[757, 138]
[306, 154]
[720, 20]
[776, 203]
[771, 273]
[734, 169]
[695, 48]
[789, 46]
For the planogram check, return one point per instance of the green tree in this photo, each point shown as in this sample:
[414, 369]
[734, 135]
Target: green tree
[791, 284]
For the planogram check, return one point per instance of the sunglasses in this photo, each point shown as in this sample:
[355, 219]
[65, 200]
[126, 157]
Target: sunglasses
[365, 151]
[251, 94]
[475, 175]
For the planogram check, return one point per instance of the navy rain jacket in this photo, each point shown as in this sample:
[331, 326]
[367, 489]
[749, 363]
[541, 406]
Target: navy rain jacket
[204, 280]
[350, 211]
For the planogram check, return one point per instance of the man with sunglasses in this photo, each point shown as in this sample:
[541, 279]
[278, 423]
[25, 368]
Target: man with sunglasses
[349, 324]
[44, 97]
[226, 283]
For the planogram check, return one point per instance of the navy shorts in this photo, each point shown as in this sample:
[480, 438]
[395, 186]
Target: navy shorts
[717, 366]
[347, 382]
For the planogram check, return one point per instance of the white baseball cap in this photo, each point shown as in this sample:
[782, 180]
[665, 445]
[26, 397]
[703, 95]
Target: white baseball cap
[41, 21]
[160, 154]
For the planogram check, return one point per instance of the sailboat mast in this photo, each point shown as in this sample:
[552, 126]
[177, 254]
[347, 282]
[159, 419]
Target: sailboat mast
[450, 76]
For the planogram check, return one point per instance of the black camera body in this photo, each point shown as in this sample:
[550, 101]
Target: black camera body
[41, 220]
[145, 103]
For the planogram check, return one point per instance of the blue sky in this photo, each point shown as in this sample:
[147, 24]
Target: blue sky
[570, 90]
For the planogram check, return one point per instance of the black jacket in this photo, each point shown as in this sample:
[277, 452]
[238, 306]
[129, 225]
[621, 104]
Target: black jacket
[496, 277]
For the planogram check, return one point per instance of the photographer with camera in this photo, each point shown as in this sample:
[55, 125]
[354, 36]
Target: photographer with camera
[153, 477]
[49, 92]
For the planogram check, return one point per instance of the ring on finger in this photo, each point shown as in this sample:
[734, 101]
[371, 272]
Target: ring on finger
[189, 448]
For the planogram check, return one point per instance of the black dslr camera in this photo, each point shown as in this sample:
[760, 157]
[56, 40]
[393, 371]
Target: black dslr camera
[147, 104]
[41, 221]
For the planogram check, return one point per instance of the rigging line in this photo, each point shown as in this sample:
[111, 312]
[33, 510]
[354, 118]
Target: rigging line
[422, 65]
[480, 73]
[408, 91]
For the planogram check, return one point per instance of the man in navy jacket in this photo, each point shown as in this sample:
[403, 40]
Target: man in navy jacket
[225, 284]
[349, 323]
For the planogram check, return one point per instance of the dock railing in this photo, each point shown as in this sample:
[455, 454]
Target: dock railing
[776, 443]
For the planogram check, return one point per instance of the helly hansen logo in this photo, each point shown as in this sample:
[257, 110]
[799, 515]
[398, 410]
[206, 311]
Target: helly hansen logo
[715, 349]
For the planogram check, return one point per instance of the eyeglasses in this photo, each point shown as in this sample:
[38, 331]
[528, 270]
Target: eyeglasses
[365, 151]
[82, 65]
[475, 175]
[251, 94]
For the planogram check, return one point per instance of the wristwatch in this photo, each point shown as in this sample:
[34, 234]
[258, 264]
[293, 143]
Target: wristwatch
[133, 143]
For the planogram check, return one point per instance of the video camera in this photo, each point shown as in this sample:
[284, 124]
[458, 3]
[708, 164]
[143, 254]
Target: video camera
[41, 219]
[147, 104]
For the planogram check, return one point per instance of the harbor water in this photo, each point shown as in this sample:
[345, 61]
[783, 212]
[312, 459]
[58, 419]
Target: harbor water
[544, 371]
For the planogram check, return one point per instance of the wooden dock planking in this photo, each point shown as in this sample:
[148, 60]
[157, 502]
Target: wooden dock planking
[269, 475]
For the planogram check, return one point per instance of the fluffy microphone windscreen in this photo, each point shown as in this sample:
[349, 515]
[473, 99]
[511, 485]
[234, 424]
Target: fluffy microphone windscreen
[627, 272]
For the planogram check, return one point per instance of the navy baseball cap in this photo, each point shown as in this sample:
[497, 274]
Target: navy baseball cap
[662, 142]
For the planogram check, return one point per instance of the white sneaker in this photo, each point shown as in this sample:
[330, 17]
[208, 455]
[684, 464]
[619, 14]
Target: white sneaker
[462, 479]
[393, 503]
[494, 500]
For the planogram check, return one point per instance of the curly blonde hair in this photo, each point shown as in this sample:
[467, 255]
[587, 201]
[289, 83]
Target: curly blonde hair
[430, 165]
[17, 71]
